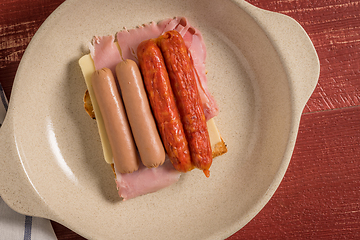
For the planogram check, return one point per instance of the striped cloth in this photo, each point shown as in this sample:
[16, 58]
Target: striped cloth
[3, 106]
[13, 225]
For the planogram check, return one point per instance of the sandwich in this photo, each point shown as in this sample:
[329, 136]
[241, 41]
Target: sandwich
[147, 90]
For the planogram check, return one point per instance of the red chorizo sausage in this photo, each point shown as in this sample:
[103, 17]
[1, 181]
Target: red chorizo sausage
[183, 83]
[163, 104]
[138, 110]
[122, 144]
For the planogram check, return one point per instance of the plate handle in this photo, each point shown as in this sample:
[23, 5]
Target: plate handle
[294, 48]
[16, 189]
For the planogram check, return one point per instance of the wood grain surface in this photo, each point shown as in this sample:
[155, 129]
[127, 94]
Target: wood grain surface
[319, 197]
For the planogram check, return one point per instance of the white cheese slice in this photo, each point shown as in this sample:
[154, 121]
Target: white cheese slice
[88, 68]
[214, 133]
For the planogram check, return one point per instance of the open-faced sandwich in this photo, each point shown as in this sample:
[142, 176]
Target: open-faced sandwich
[147, 90]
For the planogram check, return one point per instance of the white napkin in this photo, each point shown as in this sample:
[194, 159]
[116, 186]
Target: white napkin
[13, 225]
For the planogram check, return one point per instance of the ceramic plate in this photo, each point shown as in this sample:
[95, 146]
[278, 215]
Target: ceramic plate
[262, 69]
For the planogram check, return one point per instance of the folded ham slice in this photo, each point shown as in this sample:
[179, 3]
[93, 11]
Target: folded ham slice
[146, 180]
[105, 53]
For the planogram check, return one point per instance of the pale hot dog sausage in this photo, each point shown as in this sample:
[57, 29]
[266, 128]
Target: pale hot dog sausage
[143, 126]
[122, 144]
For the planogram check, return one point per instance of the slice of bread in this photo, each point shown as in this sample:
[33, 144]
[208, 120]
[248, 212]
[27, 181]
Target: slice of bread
[88, 105]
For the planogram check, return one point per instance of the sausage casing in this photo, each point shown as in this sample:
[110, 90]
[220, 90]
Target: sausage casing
[122, 144]
[183, 83]
[138, 110]
[163, 104]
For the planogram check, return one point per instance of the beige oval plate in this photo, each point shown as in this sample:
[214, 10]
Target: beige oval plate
[262, 68]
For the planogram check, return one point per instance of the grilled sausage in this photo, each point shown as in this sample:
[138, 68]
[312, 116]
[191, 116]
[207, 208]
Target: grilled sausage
[143, 126]
[122, 144]
[183, 83]
[163, 104]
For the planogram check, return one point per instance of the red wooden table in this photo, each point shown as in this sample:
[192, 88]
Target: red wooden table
[319, 197]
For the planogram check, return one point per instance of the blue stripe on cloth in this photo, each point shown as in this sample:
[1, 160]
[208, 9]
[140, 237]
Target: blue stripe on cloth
[28, 225]
[3, 98]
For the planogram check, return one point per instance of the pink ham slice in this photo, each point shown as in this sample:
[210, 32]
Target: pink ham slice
[146, 180]
[130, 39]
[104, 52]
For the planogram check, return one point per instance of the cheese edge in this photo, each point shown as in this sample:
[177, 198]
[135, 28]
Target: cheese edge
[88, 68]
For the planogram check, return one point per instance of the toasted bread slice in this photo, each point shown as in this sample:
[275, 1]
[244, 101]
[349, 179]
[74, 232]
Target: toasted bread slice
[88, 105]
